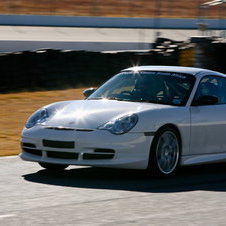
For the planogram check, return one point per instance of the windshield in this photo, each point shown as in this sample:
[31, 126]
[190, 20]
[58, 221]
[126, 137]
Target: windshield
[147, 86]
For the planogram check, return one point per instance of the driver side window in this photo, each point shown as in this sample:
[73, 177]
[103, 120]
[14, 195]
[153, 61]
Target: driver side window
[212, 86]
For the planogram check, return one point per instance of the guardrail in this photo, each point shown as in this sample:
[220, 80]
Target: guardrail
[108, 22]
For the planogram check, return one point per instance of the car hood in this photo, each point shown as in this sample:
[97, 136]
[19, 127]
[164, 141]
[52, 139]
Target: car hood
[90, 114]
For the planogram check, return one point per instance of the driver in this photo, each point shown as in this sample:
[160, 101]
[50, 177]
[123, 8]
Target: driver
[141, 90]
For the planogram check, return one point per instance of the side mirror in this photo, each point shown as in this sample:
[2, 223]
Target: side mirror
[205, 100]
[88, 92]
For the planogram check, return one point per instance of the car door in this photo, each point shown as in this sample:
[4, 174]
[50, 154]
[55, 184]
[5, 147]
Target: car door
[208, 122]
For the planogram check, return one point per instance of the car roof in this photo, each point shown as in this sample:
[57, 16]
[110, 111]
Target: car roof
[188, 70]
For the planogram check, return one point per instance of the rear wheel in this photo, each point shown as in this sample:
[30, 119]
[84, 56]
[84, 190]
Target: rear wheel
[53, 167]
[165, 152]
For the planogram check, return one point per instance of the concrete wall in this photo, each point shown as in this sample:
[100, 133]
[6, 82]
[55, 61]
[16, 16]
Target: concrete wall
[67, 21]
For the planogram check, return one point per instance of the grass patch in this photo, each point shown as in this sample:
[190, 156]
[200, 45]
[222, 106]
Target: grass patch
[17, 107]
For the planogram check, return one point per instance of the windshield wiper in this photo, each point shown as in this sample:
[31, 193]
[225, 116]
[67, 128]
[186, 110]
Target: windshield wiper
[119, 99]
[95, 98]
[106, 98]
[115, 98]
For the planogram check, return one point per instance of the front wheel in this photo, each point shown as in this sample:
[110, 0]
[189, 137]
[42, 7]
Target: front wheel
[53, 167]
[165, 152]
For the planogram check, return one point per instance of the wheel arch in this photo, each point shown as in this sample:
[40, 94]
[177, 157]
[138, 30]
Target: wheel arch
[168, 125]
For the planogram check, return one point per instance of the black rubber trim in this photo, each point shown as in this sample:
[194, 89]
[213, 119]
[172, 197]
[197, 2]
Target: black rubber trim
[58, 144]
[102, 150]
[29, 145]
[62, 155]
[90, 156]
[33, 151]
[69, 129]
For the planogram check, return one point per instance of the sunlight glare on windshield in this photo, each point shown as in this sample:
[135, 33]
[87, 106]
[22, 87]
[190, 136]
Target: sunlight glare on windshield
[135, 69]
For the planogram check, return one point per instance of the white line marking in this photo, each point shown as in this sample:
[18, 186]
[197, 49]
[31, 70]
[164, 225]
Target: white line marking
[9, 157]
[7, 215]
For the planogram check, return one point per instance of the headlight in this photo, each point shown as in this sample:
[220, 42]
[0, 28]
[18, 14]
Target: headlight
[36, 118]
[121, 125]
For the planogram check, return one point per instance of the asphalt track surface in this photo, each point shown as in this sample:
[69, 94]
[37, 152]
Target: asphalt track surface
[94, 196]
[22, 38]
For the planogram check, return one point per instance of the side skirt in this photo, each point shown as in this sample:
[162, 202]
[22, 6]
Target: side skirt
[202, 159]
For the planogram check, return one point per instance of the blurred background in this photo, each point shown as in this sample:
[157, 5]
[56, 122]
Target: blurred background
[115, 8]
[58, 44]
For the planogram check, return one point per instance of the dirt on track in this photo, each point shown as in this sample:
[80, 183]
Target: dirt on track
[17, 107]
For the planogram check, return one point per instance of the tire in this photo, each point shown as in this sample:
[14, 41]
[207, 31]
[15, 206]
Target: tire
[53, 167]
[165, 152]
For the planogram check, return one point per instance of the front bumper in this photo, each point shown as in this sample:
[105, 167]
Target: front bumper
[89, 148]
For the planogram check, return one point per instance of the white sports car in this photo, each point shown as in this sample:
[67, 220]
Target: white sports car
[147, 117]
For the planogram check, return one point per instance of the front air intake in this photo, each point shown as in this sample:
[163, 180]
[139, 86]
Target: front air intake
[58, 144]
[62, 155]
